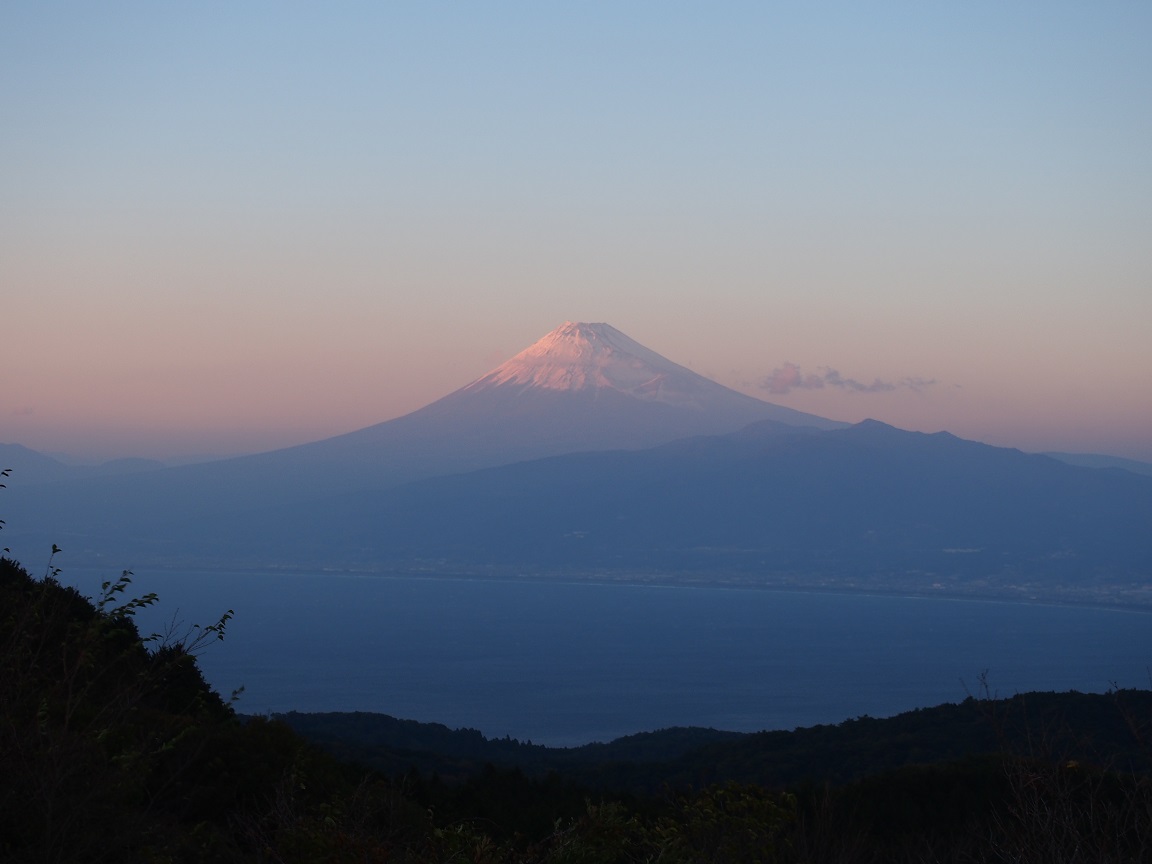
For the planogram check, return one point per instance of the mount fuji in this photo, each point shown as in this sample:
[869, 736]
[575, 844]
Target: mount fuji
[598, 358]
[582, 387]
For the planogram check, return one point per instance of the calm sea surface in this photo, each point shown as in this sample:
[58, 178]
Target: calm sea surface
[564, 664]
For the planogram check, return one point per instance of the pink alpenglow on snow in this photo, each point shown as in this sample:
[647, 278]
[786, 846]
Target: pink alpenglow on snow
[578, 356]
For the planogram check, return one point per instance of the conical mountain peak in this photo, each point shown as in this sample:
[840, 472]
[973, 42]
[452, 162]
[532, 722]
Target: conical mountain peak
[578, 356]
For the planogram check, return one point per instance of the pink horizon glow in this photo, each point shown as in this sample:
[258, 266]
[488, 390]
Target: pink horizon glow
[226, 230]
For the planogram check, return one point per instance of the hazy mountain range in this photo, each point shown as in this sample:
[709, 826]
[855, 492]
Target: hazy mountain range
[587, 451]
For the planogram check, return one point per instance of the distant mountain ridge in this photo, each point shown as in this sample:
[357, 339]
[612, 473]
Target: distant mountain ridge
[1099, 460]
[869, 505]
[1094, 728]
[33, 466]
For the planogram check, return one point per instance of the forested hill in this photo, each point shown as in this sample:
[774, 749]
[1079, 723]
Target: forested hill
[113, 748]
[1082, 727]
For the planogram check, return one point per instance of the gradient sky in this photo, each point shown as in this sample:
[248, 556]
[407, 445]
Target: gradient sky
[229, 227]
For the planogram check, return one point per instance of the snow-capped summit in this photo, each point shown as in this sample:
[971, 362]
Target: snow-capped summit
[582, 357]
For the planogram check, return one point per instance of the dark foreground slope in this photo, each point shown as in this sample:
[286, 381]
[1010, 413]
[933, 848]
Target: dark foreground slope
[113, 748]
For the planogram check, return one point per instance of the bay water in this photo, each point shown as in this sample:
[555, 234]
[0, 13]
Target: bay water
[565, 663]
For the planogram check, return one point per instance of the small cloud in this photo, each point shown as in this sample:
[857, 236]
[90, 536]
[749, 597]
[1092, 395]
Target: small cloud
[24, 411]
[835, 379]
[790, 377]
[917, 383]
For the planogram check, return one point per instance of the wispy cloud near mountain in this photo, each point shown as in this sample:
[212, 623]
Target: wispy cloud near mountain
[790, 376]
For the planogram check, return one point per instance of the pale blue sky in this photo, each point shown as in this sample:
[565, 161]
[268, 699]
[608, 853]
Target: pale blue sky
[231, 227]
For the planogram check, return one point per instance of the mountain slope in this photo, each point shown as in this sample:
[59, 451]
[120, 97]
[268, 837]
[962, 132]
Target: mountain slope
[868, 501]
[32, 467]
[582, 387]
